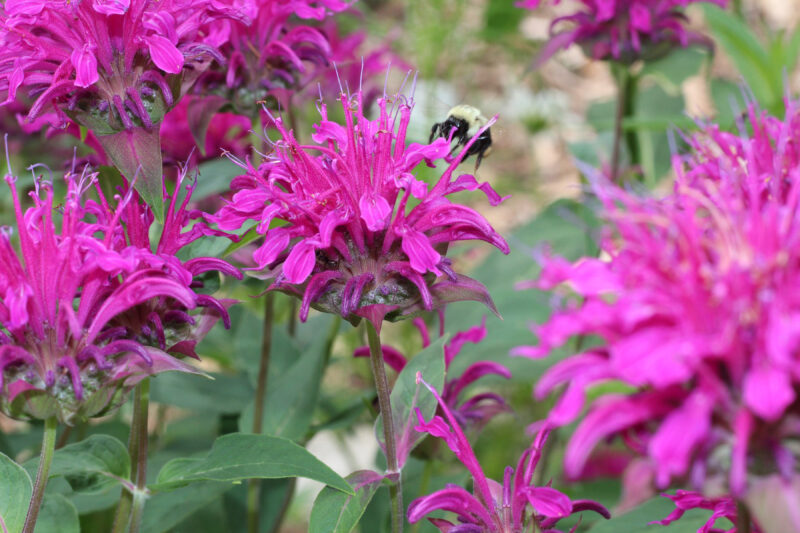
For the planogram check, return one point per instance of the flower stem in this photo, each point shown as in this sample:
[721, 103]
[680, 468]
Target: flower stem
[384, 403]
[137, 449]
[254, 485]
[743, 521]
[45, 459]
[626, 107]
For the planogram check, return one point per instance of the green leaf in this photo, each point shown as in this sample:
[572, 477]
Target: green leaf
[214, 177]
[337, 512]
[223, 394]
[57, 515]
[165, 510]
[238, 456]
[637, 520]
[747, 53]
[290, 401]
[137, 153]
[92, 465]
[775, 504]
[199, 113]
[408, 394]
[674, 68]
[274, 494]
[16, 488]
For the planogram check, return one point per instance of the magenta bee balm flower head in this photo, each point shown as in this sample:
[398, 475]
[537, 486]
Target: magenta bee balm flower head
[110, 65]
[65, 294]
[515, 506]
[622, 30]
[339, 228]
[695, 298]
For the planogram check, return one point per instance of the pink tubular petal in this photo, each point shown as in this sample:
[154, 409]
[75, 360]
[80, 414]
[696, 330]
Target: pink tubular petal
[421, 255]
[375, 211]
[548, 502]
[300, 262]
[392, 357]
[275, 242]
[768, 392]
[316, 287]
[474, 335]
[453, 499]
[85, 63]
[165, 54]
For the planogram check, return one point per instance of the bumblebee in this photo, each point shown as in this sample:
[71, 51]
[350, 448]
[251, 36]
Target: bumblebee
[464, 121]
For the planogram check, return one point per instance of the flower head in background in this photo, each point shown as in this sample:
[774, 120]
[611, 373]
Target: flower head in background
[110, 65]
[475, 411]
[272, 57]
[698, 309]
[515, 506]
[350, 241]
[61, 352]
[622, 30]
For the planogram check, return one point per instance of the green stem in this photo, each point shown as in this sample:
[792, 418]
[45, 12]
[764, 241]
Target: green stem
[142, 399]
[385, 405]
[45, 460]
[627, 84]
[253, 485]
[744, 521]
[137, 449]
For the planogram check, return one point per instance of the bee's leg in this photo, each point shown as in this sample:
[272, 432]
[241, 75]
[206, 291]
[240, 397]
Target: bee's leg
[434, 132]
[484, 151]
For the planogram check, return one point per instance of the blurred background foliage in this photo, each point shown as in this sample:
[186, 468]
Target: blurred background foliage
[553, 121]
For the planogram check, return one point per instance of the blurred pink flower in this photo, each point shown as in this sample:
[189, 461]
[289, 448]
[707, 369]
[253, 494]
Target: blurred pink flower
[349, 244]
[697, 305]
[111, 65]
[515, 506]
[61, 296]
[622, 30]
[226, 133]
[476, 411]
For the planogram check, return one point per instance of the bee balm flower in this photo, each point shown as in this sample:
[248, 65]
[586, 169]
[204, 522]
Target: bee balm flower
[698, 310]
[61, 352]
[349, 242]
[516, 506]
[622, 30]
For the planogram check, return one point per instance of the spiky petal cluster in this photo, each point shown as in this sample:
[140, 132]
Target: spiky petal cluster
[475, 411]
[622, 30]
[698, 306]
[167, 323]
[112, 65]
[515, 506]
[272, 57]
[61, 351]
[349, 243]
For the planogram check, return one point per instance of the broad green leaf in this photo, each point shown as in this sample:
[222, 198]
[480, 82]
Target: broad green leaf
[290, 401]
[337, 512]
[224, 394]
[238, 456]
[747, 53]
[16, 488]
[638, 520]
[57, 515]
[674, 68]
[775, 504]
[215, 176]
[165, 510]
[92, 465]
[407, 395]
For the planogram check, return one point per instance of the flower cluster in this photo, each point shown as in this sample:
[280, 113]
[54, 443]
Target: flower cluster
[349, 243]
[697, 306]
[622, 30]
[111, 65]
[475, 411]
[272, 57]
[84, 315]
[516, 506]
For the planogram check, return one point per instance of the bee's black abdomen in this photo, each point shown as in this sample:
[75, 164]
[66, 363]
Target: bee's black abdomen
[460, 134]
